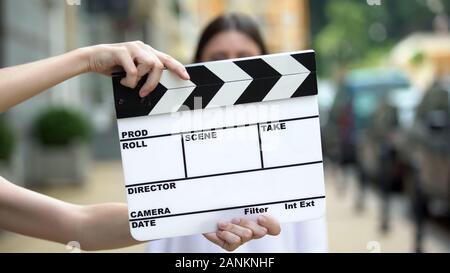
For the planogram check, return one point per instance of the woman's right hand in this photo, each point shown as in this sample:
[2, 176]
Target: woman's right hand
[137, 59]
[231, 235]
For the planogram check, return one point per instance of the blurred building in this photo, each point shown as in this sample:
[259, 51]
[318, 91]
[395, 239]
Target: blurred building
[48, 28]
[424, 56]
[45, 28]
[285, 23]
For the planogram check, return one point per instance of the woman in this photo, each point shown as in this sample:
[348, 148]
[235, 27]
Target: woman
[227, 37]
[102, 226]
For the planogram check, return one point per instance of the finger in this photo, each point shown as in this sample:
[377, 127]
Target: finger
[257, 230]
[232, 241]
[152, 79]
[244, 233]
[212, 237]
[144, 62]
[172, 64]
[272, 225]
[143, 67]
[145, 59]
[125, 60]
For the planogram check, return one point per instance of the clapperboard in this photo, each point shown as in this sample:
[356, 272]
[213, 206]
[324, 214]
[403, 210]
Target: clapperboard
[241, 138]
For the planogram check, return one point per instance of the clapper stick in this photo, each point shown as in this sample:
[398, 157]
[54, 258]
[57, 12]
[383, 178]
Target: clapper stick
[197, 175]
[224, 83]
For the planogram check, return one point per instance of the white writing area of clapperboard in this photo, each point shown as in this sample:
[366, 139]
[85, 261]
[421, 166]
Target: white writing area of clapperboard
[240, 139]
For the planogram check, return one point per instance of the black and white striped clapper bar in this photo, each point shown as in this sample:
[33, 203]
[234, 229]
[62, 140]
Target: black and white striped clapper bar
[241, 138]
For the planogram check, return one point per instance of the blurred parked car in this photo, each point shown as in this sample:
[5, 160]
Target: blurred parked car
[430, 139]
[355, 103]
[361, 93]
[326, 95]
[380, 146]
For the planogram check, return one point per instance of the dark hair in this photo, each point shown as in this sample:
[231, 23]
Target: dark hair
[226, 22]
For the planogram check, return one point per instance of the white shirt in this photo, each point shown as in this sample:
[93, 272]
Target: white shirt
[310, 236]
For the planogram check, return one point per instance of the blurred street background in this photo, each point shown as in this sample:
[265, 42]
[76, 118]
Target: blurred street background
[384, 95]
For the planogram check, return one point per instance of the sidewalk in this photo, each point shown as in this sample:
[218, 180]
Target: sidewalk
[104, 185]
[348, 231]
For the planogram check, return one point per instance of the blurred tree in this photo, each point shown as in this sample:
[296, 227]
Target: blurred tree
[344, 38]
[351, 32]
[404, 17]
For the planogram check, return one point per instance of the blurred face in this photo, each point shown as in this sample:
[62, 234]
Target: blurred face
[229, 45]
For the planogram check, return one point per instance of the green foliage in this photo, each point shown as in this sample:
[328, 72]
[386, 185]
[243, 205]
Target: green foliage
[7, 141]
[418, 58]
[341, 29]
[344, 39]
[373, 57]
[61, 126]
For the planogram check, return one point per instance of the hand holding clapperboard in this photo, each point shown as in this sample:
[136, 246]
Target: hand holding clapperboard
[240, 139]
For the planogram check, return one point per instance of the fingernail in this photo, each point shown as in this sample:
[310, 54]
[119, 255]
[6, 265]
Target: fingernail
[262, 219]
[186, 75]
[236, 221]
[142, 94]
[222, 225]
